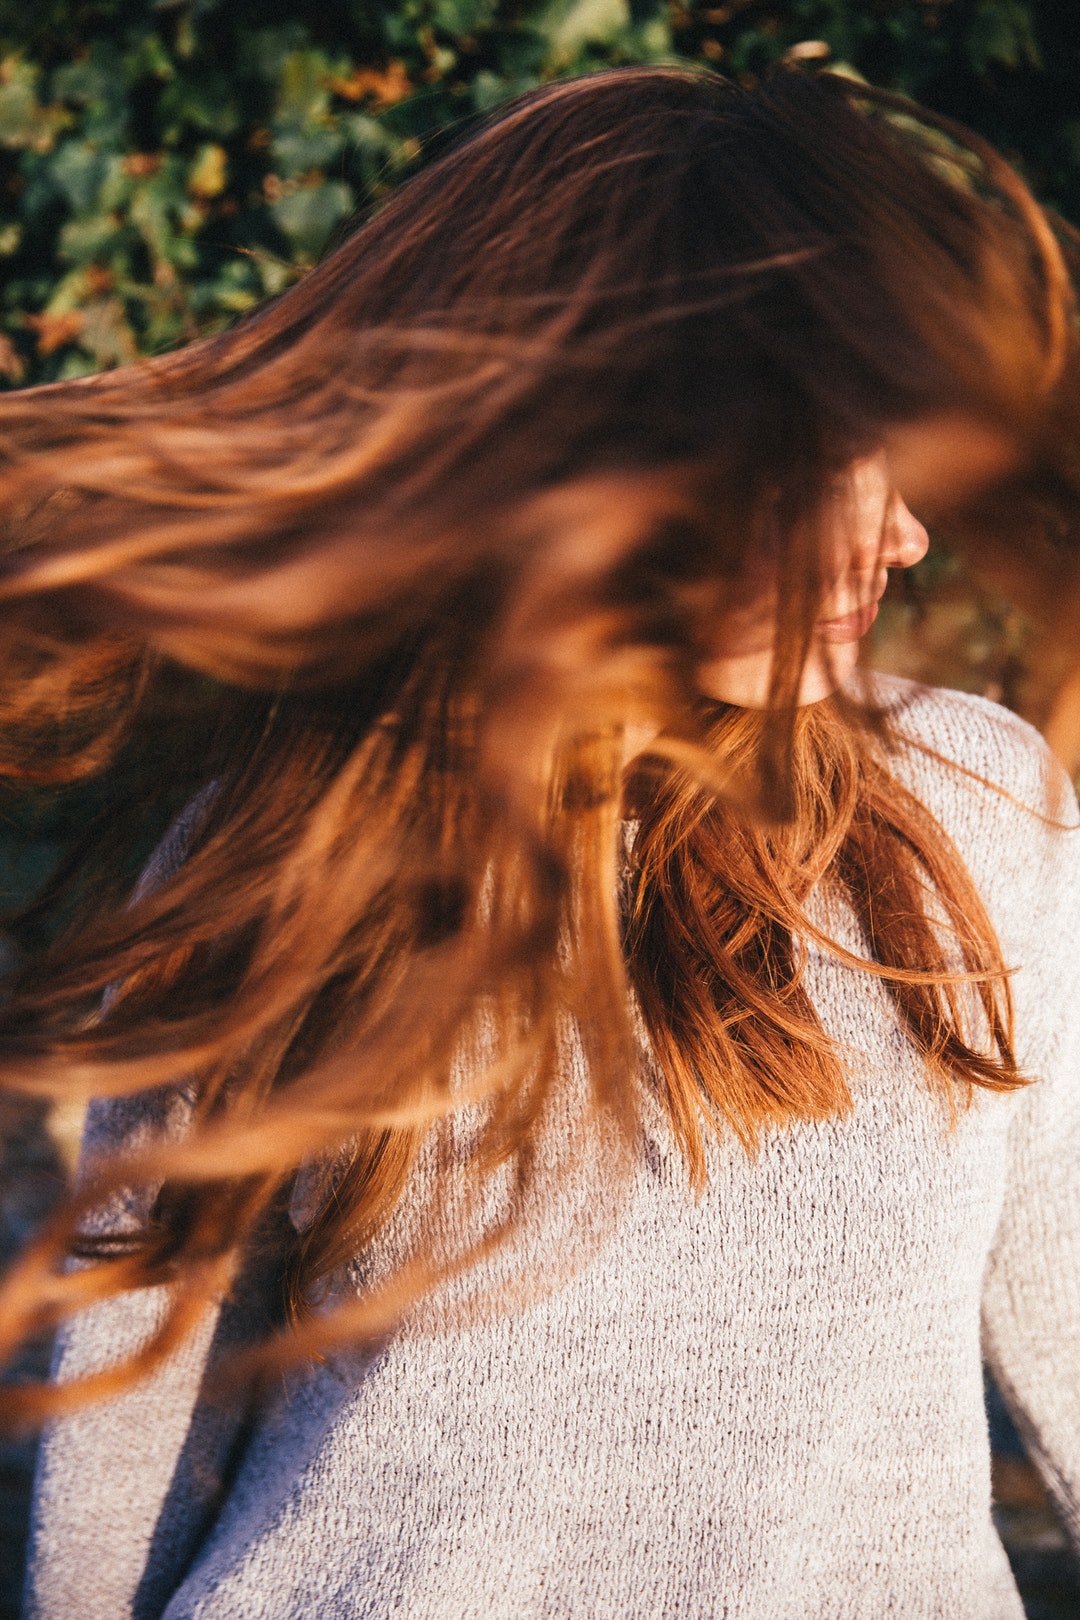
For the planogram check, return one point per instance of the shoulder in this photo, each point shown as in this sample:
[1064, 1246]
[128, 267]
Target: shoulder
[979, 757]
[998, 793]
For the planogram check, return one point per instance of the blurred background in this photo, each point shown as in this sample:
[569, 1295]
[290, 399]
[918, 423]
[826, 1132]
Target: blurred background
[165, 165]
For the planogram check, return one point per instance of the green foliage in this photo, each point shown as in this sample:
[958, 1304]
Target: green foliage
[164, 167]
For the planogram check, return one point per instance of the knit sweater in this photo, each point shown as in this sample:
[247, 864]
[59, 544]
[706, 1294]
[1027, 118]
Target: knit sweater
[764, 1402]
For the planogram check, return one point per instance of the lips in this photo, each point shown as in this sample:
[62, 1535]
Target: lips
[852, 627]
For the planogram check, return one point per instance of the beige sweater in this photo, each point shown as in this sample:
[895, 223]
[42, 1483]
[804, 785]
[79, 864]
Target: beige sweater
[766, 1404]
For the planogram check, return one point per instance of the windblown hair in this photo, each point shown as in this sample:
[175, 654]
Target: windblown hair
[434, 529]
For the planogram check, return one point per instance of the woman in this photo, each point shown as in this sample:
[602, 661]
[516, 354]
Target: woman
[636, 1147]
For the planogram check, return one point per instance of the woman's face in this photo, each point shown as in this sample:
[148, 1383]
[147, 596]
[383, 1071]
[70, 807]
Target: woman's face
[869, 531]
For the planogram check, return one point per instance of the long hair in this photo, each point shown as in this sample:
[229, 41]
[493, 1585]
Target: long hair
[436, 531]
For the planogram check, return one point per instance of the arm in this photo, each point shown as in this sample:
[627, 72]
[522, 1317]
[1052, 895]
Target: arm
[123, 1489]
[126, 1488]
[1031, 1300]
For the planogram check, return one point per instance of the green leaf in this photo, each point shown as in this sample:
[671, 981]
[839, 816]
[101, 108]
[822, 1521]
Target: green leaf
[79, 170]
[463, 16]
[263, 52]
[298, 151]
[303, 88]
[98, 85]
[149, 58]
[204, 102]
[1002, 34]
[570, 24]
[90, 240]
[24, 121]
[209, 174]
[87, 82]
[308, 215]
[489, 90]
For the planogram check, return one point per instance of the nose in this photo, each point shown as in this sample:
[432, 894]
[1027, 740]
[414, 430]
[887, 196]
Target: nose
[884, 532]
[904, 539]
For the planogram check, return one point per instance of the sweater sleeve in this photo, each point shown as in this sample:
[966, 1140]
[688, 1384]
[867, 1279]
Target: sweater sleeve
[1031, 1297]
[126, 1488]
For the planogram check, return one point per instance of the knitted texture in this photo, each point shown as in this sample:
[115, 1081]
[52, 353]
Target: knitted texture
[765, 1403]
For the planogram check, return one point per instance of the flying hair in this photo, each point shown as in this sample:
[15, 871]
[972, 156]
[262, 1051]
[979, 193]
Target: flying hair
[428, 541]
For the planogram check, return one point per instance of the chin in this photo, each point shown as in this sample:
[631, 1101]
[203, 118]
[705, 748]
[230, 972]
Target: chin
[745, 681]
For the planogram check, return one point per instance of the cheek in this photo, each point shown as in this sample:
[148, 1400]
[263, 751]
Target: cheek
[746, 621]
[743, 635]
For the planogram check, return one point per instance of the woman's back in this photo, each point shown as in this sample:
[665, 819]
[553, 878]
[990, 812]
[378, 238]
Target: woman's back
[763, 1402]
